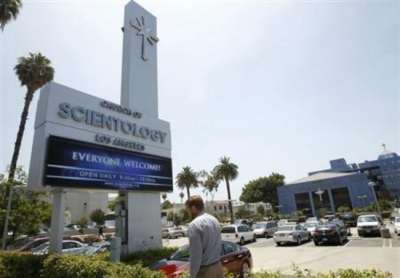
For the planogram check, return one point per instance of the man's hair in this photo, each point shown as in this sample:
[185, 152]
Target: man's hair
[195, 201]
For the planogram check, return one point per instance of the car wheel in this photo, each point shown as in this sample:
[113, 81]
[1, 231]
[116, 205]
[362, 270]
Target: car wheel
[309, 237]
[241, 241]
[278, 243]
[255, 238]
[340, 241]
[245, 270]
[298, 240]
[169, 236]
[266, 235]
[316, 243]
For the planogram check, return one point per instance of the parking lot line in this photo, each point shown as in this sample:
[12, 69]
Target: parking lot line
[390, 243]
[384, 243]
[347, 243]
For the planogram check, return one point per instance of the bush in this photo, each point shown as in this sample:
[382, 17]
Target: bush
[92, 238]
[147, 258]
[21, 264]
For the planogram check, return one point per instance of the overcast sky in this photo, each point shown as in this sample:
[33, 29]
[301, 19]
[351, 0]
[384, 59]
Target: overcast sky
[277, 86]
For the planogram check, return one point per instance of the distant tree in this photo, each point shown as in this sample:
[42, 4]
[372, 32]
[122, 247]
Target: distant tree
[167, 205]
[33, 72]
[187, 179]
[170, 216]
[184, 215]
[343, 209]
[9, 9]
[386, 194]
[164, 196]
[261, 210]
[181, 195]
[209, 182]
[241, 213]
[98, 216]
[263, 189]
[227, 171]
[82, 223]
[112, 204]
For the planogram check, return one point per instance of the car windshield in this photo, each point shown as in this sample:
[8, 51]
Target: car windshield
[183, 254]
[260, 225]
[87, 250]
[311, 225]
[20, 243]
[228, 230]
[285, 228]
[367, 219]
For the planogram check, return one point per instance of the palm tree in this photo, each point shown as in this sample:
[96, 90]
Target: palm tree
[211, 185]
[181, 195]
[164, 196]
[187, 179]
[226, 171]
[9, 9]
[34, 72]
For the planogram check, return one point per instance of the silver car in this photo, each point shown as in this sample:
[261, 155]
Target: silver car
[265, 229]
[170, 233]
[292, 234]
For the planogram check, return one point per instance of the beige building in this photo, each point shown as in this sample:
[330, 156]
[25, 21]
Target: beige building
[83, 203]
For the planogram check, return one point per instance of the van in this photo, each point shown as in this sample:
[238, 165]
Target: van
[265, 229]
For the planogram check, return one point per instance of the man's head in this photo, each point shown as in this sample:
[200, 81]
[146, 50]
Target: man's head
[194, 206]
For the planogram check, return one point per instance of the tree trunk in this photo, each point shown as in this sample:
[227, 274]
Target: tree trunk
[229, 199]
[20, 134]
[188, 192]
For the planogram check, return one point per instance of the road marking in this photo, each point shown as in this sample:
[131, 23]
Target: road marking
[348, 242]
[390, 243]
[384, 243]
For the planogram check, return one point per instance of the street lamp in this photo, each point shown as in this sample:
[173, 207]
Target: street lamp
[279, 211]
[372, 184]
[362, 199]
[5, 229]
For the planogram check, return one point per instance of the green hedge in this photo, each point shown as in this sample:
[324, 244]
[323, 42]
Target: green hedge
[20, 264]
[147, 258]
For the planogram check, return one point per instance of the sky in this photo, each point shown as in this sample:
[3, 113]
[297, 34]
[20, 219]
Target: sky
[277, 86]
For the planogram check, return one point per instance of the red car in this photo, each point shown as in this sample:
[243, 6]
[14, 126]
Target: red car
[237, 259]
[28, 243]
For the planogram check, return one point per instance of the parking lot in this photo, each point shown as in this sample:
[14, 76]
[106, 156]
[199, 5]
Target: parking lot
[357, 252]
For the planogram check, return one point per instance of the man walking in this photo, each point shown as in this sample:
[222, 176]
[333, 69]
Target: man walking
[204, 241]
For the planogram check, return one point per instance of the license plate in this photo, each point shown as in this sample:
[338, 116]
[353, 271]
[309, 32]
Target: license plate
[324, 239]
[281, 234]
[368, 231]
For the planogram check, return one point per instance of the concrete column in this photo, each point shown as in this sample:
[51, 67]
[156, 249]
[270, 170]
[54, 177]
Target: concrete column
[57, 221]
[331, 202]
[310, 196]
[143, 218]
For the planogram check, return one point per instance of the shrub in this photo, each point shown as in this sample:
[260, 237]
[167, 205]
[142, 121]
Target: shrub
[147, 258]
[92, 238]
[21, 264]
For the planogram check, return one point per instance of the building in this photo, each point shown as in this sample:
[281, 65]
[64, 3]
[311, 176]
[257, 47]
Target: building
[83, 203]
[324, 191]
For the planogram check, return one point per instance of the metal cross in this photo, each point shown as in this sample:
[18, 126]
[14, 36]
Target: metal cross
[141, 26]
[384, 146]
[319, 192]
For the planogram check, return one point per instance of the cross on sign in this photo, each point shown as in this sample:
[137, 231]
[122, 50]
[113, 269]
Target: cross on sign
[319, 192]
[384, 146]
[145, 32]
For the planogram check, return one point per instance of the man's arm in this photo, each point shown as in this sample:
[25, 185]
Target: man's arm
[195, 250]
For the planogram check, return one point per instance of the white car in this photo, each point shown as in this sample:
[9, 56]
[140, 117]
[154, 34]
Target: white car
[238, 234]
[397, 225]
[292, 234]
[311, 226]
[368, 224]
[68, 246]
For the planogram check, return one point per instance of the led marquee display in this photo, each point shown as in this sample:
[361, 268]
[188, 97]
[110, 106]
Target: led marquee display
[72, 163]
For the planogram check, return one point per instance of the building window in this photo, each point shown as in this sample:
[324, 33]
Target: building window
[220, 207]
[215, 208]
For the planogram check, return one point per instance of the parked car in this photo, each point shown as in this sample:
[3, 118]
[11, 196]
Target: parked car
[397, 225]
[350, 219]
[282, 222]
[291, 234]
[244, 222]
[170, 233]
[183, 230]
[93, 249]
[393, 215]
[238, 234]
[368, 224]
[310, 226]
[265, 229]
[28, 243]
[235, 258]
[68, 246]
[332, 232]
[312, 219]
[329, 217]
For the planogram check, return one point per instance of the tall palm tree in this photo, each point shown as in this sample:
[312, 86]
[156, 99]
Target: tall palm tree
[34, 72]
[9, 9]
[187, 179]
[226, 171]
[181, 195]
[211, 185]
[164, 196]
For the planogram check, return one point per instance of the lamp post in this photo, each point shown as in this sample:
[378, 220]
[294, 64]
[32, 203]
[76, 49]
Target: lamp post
[319, 192]
[372, 184]
[279, 210]
[5, 229]
[362, 199]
